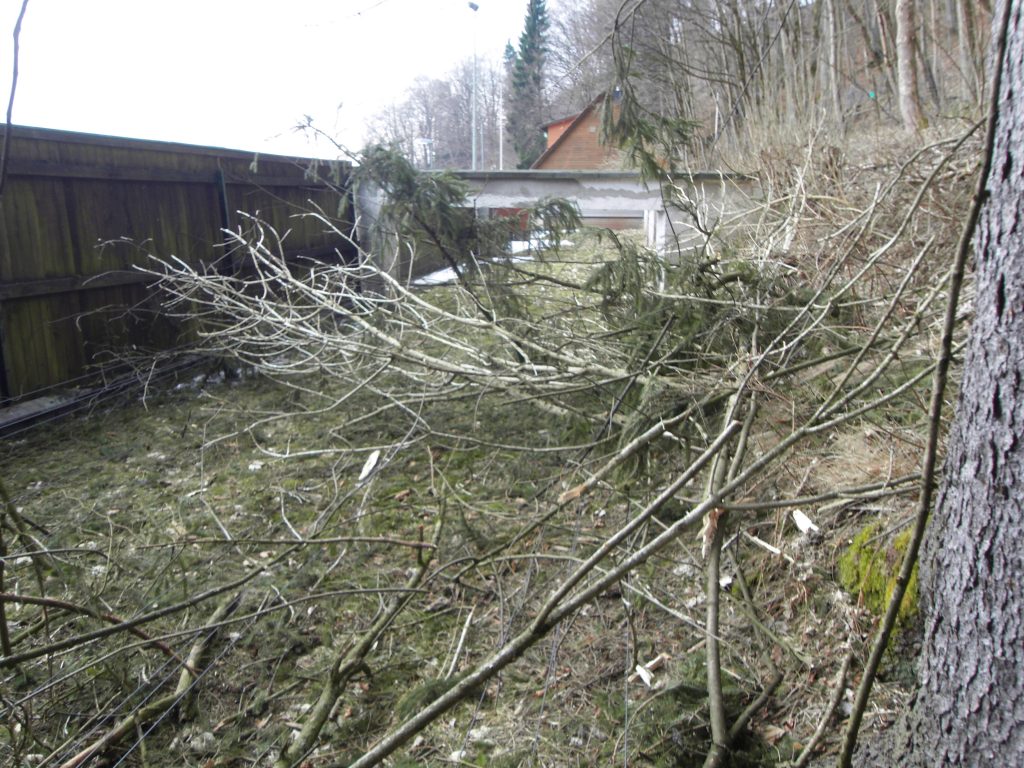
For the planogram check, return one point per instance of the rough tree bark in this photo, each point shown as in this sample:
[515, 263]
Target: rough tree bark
[969, 710]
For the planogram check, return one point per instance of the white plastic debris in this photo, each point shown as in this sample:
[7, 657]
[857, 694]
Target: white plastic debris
[644, 675]
[368, 467]
[803, 522]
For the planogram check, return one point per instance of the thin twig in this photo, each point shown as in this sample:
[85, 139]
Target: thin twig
[353, 659]
[5, 152]
[65, 605]
[753, 707]
[837, 696]
[461, 643]
[12, 660]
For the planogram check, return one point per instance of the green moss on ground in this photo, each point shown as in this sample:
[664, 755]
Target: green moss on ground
[870, 567]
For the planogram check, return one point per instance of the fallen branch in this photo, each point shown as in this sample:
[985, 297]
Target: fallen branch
[833, 704]
[725, 469]
[64, 605]
[165, 703]
[353, 659]
[753, 707]
[124, 626]
[558, 607]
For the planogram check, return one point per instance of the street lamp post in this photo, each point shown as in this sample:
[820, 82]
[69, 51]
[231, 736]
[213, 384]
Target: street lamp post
[473, 7]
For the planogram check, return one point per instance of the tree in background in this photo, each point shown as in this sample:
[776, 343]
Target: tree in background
[527, 108]
[579, 59]
[906, 43]
[737, 72]
[431, 126]
[743, 72]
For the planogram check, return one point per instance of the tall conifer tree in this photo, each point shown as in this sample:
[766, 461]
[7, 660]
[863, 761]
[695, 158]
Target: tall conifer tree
[526, 109]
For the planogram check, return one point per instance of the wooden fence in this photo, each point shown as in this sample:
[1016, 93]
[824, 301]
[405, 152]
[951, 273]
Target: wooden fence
[79, 211]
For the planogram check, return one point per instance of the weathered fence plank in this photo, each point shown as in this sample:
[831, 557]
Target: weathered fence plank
[80, 211]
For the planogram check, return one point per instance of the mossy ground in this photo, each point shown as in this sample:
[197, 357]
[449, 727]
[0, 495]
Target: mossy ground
[152, 503]
[869, 569]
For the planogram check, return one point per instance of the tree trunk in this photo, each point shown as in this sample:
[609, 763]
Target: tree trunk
[888, 42]
[965, 46]
[833, 63]
[969, 708]
[906, 73]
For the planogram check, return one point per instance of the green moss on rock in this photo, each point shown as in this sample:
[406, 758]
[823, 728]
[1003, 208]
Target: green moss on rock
[870, 567]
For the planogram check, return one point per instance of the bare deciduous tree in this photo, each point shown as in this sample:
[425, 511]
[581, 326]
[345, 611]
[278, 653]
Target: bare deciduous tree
[432, 125]
[906, 53]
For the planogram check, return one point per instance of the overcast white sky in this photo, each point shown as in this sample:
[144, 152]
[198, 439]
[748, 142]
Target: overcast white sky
[236, 73]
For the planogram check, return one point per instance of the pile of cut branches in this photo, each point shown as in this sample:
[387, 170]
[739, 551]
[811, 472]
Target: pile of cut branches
[578, 509]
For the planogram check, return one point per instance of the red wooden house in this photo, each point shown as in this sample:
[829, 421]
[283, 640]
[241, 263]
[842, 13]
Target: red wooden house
[574, 143]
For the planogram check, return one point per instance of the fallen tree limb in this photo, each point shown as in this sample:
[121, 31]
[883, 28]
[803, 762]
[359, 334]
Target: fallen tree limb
[725, 470]
[833, 705]
[65, 605]
[353, 659]
[71, 642]
[753, 707]
[164, 704]
[558, 607]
